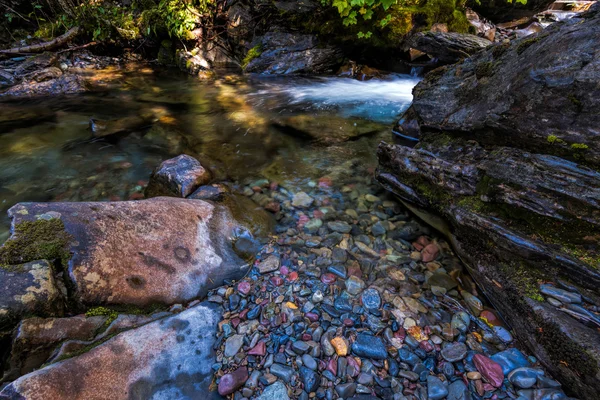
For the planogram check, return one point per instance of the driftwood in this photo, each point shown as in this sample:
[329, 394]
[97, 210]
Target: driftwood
[40, 47]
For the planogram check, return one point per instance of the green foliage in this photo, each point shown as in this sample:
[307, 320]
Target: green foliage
[253, 53]
[579, 146]
[108, 20]
[394, 18]
[175, 17]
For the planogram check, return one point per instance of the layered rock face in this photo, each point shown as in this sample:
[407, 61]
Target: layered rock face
[162, 250]
[508, 155]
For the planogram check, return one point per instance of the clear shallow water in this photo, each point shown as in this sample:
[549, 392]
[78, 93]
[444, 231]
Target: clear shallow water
[241, 128]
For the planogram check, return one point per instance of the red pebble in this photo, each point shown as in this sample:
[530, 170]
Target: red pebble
[355, 367]
[348, 322]
[328, 278]
[312, 317]
[421, 242]
[302, 220]
[318, 214]
[430, 253]
[292, 276]
[489, 369]
[235, 322]
[244, 287]
[425, 345]
[490, 318]
[332, 366]
[259, 350]
[400, 334]
[325, 182]
[244, 313]
[276, 280]
[273, 206]
[306, 337]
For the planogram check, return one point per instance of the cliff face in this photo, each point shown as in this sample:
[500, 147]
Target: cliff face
[508, 154]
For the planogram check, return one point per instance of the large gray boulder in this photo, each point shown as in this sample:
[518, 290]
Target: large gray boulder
[447, 47]
[283, 53]
[506, 164]
[170, 358]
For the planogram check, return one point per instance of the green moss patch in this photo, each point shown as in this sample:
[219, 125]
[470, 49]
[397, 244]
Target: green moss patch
[37, 240]
[484, 69]
[252, 54]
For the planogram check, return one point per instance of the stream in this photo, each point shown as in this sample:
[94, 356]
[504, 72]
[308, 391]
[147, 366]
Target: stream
[242, 127]
[346, 267]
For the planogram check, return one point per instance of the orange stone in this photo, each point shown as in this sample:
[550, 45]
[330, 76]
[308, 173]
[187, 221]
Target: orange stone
[340, 345]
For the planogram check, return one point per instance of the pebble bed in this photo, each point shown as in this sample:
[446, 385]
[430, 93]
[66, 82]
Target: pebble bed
[354, 298]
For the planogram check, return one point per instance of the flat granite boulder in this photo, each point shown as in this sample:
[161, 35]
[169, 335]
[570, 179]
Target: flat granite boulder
[159, 251]
[28, 289]
[166, 359]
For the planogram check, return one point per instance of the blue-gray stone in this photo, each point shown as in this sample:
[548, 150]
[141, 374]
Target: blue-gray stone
[458, 391]
[338, 270]
[346, 390]
[436, 389]
[454, 352]
[342, 302]
[371, 299]
[524, 377]
[510, 359]
[276, 391]
[282, 372]
[408, 357]
[309, 361]
[369, 347]
[310, 379]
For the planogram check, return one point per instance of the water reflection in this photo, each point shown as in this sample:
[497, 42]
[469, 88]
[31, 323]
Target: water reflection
[288, 130]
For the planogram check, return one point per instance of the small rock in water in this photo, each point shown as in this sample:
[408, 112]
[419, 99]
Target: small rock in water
[489, 369]
[340, 345]
[282, 372]
[371, 300]
[510, 359]
[369, 346]
[302, 200]
[454, 352]
[269, 265]
[339, 226]
[354, 285]
[233, 345]
[231, 382]
[524, 377]
[458, 391]
[436, 389]
[310, 379]
[276, 391]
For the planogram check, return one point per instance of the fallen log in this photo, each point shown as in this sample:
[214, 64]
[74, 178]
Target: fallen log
[41, 47]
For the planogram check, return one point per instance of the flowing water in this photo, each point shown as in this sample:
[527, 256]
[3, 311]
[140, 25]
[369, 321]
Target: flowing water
[291, 130]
